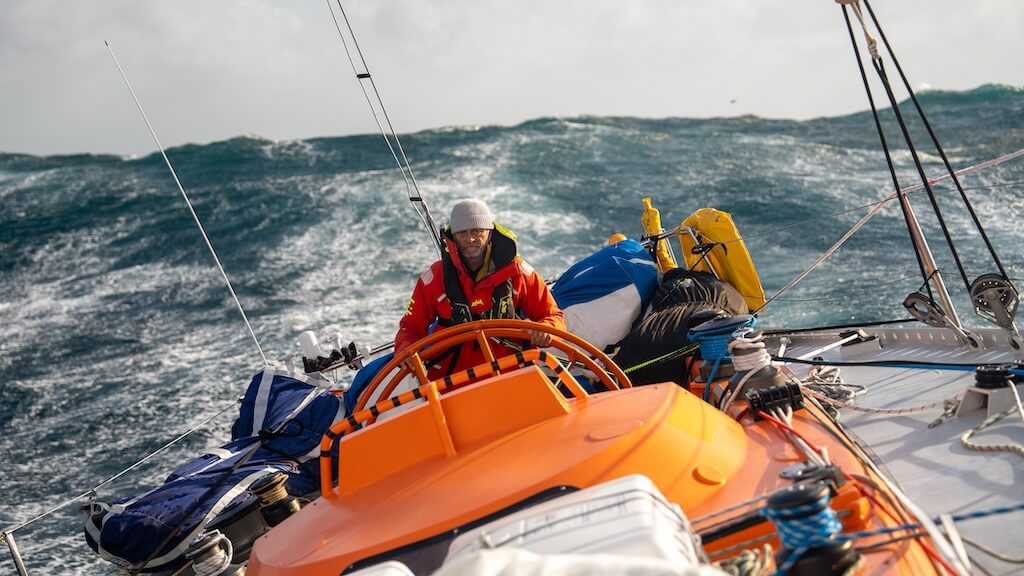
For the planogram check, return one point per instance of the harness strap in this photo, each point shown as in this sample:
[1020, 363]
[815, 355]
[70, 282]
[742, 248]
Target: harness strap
[502, 306]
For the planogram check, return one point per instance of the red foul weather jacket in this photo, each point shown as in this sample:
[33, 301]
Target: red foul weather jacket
[529, 295]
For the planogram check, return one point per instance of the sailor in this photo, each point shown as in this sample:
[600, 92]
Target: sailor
[479, 276]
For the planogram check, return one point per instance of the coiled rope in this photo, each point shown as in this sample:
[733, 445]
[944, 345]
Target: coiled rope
[815, 529]
[216, 563]
[804, 526]
[749, 356]
[747, 562]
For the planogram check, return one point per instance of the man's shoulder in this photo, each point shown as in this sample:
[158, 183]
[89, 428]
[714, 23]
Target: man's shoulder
[432, 272]
[524, 266]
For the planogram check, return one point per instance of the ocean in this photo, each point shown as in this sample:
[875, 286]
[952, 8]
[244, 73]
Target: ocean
[118, 332]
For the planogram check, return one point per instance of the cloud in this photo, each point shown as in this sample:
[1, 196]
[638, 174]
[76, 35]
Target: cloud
[214, 70]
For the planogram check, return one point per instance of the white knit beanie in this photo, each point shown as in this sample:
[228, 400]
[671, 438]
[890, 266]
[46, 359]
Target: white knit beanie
[471, 213]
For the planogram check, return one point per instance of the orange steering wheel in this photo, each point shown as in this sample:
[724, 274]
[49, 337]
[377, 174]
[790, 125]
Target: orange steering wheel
[481, 331]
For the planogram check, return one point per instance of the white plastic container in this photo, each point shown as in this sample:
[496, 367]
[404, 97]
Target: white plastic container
[627, 517]
[389, 568]
[309, 344]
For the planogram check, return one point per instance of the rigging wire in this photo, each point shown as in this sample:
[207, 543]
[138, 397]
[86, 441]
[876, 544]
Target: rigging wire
[875, 208]
[824, 255]
[938, 146]
[879, 67]
[893, 196]
[411, 186]
[188, 203]
[907, 216]
[92, 491]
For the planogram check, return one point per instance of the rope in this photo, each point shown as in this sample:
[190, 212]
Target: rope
[748, 357]
[689, 348]
[907, 364]
[188, 203]
[783, 332]
[890, 411]
[997, 511]
[803, 527]
[965, 439]
[783, 418]
[817, 528]
[827, 381]
[821, 258]
[747, 562]
[217, 563]
[92, 491]
[993, 553]
[736, 506]
[905, 190]
[714, 344]
[904, 206]
[1016, 397]
[846, 292]
[875, 208]
[868, 38]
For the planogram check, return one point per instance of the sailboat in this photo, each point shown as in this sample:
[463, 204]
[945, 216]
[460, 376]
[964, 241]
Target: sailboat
[840, 450]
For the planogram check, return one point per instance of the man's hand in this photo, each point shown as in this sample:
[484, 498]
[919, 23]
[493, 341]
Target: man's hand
[538, 338]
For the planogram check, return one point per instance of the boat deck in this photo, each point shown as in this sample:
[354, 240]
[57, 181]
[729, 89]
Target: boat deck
[930, 464]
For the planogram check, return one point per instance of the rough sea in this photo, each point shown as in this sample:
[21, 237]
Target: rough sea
[117, 332]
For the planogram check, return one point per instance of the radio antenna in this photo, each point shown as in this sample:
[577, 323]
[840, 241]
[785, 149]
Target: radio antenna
[188, 203]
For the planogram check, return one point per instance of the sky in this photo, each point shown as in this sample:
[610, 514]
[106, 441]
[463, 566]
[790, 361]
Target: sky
[208, 70]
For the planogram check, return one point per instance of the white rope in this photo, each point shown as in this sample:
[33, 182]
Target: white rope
[868, 38]
[188, 203]
[1016, 397]
[890, 411]
[817, 457]
[942, 545]
[748, 356]
[965, 438]
[216, 563]
[748, 562]
[817, 261]
[828, 381]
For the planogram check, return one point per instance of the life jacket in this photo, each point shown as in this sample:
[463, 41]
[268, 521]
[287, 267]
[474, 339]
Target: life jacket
[503, 251]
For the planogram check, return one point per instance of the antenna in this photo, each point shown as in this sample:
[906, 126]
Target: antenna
[188, 203]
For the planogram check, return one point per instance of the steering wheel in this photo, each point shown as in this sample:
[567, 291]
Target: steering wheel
[481, 331]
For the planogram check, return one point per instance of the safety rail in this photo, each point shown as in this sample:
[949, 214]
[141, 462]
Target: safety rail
[8, 534]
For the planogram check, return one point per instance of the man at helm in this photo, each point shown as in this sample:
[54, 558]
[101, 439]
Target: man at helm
[480, 275]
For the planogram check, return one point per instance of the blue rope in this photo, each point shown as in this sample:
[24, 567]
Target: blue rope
[714, 345]
[805, 533]
[799, 534]
[815, 529]
[955, 517]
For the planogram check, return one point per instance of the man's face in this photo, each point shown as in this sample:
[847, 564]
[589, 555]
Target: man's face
[472, 242]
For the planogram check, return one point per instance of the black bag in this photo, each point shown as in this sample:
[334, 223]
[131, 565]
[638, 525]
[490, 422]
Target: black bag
[652, 351]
